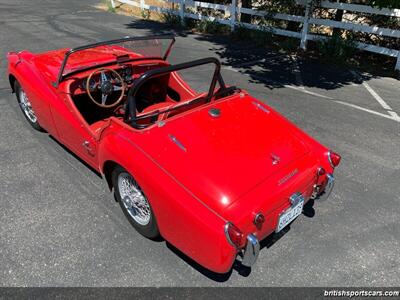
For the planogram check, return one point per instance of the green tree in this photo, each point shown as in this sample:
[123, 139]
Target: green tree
[385, 3]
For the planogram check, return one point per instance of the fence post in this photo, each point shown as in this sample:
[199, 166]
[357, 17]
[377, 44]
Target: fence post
[397, 67]
[304, 31]
[182, 11]
[233, 15]
[112, 4]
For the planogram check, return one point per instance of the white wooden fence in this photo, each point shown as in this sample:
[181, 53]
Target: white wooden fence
[233, 10]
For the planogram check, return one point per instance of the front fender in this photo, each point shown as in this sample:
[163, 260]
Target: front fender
[21, 68]
[183, 220]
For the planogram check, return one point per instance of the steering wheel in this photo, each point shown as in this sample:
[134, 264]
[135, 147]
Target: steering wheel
[107, 86]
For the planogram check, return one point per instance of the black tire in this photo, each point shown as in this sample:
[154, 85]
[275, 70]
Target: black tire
[34, 123]
[150, 230]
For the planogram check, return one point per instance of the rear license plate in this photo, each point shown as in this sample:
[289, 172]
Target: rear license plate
[289, 215]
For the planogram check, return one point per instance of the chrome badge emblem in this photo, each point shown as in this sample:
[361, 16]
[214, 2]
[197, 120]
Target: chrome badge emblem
[275, 159]
[287, 177]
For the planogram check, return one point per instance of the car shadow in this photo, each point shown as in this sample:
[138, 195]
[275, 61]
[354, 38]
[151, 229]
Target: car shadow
[75, 156]
[263, 65]
[218, 277]
[308, 209]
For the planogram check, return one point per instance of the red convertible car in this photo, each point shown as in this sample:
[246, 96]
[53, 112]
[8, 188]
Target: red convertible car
[212, 172]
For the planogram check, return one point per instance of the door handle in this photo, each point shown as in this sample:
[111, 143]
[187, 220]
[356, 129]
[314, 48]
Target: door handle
[88, 148]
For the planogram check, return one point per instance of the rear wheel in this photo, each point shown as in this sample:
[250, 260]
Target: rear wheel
[134, 203]
[26, 106]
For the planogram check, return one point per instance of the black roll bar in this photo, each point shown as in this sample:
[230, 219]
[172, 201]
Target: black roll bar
[130, 113]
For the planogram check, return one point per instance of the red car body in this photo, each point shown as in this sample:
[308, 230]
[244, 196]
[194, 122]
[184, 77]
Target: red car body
[217, 184]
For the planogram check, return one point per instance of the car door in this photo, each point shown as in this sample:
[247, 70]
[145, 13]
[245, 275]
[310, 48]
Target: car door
[73, 130]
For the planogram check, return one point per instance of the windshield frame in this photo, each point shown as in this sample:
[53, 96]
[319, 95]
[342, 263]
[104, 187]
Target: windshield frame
[130, 114]
[61, 76]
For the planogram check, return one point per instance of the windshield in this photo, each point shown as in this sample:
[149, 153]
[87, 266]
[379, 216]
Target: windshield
[121, 50]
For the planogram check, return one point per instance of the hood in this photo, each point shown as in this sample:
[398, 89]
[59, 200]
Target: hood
[219, 159]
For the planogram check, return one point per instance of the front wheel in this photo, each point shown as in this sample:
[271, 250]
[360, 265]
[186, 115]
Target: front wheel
[26, 106]
[134, 203]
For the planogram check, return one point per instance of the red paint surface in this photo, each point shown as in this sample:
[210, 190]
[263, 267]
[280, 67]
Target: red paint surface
[225, 174]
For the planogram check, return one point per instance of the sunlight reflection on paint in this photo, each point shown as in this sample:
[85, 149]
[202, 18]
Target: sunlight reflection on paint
[224, 200]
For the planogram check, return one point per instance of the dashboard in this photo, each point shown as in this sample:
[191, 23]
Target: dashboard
[125, 72]
[128, 72]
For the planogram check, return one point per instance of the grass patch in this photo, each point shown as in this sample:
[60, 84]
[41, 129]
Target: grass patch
[109, 6]
[171, 19]
[337, 49]
[259, 38]
[211, 27]
[146, 14]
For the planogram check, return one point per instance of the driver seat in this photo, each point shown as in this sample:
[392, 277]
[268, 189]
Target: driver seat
[152, 92]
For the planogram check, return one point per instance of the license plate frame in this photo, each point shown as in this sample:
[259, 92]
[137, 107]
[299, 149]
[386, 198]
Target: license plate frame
[295, 210]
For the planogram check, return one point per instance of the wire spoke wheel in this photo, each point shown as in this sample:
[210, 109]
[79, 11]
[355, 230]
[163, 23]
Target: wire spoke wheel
[26, 106]
[133, 199]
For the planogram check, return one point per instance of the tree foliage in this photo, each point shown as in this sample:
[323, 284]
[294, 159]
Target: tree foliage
[385, 3]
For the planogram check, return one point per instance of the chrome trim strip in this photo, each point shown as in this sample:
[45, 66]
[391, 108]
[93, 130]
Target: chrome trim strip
[329, 159]
[252, 251]
[258, 105]
[177, 142]
[227, 235]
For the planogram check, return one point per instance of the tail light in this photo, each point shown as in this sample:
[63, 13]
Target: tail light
[234, 236]
[334, 159]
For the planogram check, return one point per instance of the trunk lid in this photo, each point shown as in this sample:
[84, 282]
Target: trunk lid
[220, 159]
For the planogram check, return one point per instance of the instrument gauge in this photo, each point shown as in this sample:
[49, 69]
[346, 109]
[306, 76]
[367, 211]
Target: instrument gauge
[83, 84]
[92, 85]
[128, 71]
[128, 74]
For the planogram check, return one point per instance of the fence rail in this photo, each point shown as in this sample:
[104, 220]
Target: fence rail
[233, 10]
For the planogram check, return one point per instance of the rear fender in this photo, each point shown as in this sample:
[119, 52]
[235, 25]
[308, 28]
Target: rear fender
[182, 219]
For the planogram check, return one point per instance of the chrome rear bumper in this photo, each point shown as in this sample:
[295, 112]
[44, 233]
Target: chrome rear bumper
[328, 187]
[251, 252]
